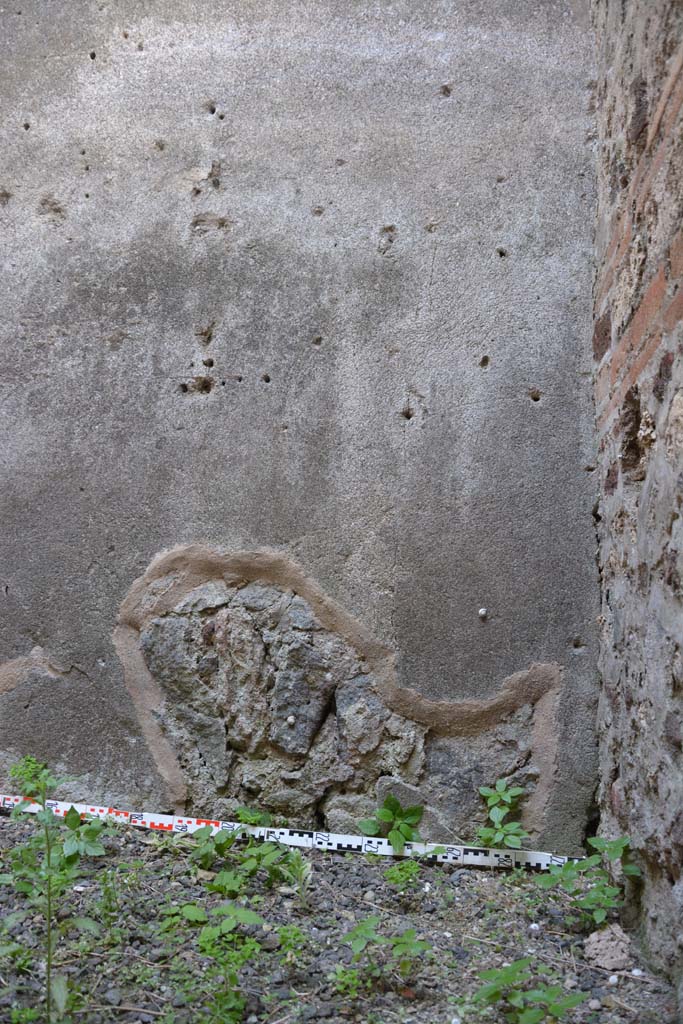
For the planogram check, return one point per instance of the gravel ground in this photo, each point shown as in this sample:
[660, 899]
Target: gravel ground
[138, 961]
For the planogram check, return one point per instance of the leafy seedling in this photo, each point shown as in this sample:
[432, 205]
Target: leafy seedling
[396, 822]
[511, 987]
[616, 850]
[406, 948]
[363, 935]
[404, 875]
[501, 795]
[501, 833]
[46, 866]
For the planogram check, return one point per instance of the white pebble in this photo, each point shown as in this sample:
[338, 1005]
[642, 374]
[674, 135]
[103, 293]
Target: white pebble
[613, 979]
[448, 935]
[534, 928]
[637, 973]
[291, 720]
[483, 612]
[594, 1004]
[426, 887]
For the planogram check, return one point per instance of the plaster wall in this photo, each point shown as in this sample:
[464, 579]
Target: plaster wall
[310, 279]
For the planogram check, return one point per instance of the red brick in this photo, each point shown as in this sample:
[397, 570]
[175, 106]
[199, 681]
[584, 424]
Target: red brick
[643, 360]
[642, 188]
[632, 377]
[618, 249]
[675, 103]
[644, 320]
[602, 335]
[670, 89]
[674, 311]
[676, 255]
[602, 385]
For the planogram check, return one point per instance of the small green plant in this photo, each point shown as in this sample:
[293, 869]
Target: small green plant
[209, 847]
[512, 988]
[404, 875]
[228, 883]
[297, 871]
[230, 951]
[252, 816]
[363, 935]
[501, 795]
[348, 981]
[500, 832]
[616, 850]
[45, 867]
[396, 822]
[23, 1015]
[588, 885]
[406, 948]
[501, 801]
[292, 942]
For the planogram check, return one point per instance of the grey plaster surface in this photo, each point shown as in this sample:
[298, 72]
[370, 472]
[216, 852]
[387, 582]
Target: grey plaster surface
[381, 214]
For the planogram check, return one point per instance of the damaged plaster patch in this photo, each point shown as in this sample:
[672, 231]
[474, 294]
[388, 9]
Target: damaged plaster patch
[253, 686]
[261, 703]
[15, 671]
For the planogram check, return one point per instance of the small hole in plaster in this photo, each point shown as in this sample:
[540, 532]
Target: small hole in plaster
[446, 90]
[407, 413]
[501, 252]
[318, 340]
[577, 643]
[183, 388]
[92, 55]
[317, 211]
[239, 378]
[212, 108]
[26, 126]
[82, 152]
[87, 195]
[207, 362]
[221, 117]
[535, 395]
[266, 378]
[125, 35]
[484, 361]
[140, 46]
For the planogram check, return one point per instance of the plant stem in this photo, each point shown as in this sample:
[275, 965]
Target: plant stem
[48, 870]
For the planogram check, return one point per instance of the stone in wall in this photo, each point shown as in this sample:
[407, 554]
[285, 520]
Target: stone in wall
[250, 692]
[263, 705]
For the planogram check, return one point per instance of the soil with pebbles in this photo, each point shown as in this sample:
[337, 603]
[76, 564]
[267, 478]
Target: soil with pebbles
[134, 972]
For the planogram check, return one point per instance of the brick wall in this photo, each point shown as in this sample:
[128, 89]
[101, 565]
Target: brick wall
[638, 352]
